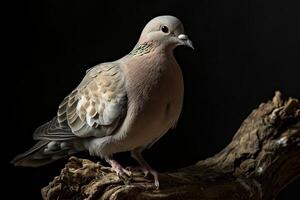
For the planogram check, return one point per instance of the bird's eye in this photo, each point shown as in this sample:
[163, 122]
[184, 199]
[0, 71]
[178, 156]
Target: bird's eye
[165, 29]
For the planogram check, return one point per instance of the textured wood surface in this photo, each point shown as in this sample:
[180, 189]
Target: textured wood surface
[262, 158]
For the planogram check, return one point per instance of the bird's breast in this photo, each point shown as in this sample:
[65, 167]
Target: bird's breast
[155, 94]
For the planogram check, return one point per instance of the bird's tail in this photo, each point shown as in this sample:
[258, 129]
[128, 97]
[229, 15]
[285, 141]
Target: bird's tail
[44, 152]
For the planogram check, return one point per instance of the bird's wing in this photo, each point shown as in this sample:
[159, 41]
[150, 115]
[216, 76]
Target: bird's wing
[95, 108]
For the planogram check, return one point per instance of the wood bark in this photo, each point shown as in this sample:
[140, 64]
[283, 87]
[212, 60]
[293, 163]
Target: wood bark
[262, 158]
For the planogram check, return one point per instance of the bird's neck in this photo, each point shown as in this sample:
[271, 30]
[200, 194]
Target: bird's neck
[144, 48]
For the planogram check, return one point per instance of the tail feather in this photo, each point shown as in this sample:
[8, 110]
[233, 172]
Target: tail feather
[55, 141]
[42, 153]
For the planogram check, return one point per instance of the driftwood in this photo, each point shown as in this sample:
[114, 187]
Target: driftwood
[262, 158]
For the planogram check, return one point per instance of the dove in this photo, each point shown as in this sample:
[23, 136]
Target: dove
[119, 106]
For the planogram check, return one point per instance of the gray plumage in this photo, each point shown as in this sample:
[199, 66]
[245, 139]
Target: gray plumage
[125, 105]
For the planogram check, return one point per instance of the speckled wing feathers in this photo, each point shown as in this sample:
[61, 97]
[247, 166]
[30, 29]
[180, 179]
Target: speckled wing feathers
[94, 108]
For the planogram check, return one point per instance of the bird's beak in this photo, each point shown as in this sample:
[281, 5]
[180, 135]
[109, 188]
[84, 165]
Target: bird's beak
[184, 40]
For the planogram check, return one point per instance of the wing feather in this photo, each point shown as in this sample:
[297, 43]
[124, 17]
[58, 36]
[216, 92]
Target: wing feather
[94, 108]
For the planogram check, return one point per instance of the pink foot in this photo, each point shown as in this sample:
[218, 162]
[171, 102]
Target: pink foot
[145, 167]
[138, 169]
[155, 175]
[122, 173]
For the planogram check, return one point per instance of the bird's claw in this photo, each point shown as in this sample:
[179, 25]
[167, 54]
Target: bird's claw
[138, 169]
[146, 173]
[124, 174]
[155, 175]
[156, 184]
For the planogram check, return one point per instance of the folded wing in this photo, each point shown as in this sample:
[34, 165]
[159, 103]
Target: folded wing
[95, 108]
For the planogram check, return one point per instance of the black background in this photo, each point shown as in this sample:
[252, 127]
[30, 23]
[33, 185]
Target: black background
[245, 50]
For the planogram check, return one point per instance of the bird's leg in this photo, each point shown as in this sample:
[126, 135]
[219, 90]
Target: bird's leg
[116, 167]
[145, 167]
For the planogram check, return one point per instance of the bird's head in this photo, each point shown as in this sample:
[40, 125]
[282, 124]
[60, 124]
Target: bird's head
[166, 31]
